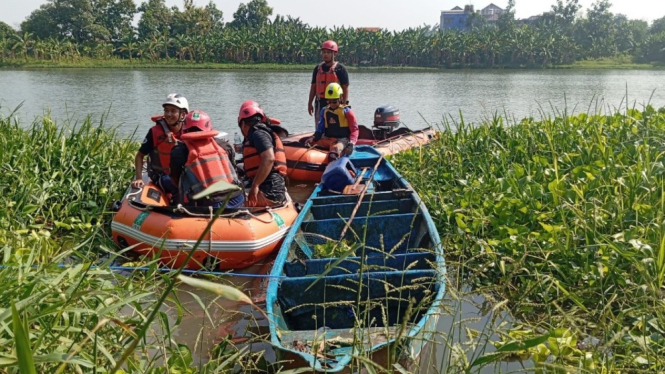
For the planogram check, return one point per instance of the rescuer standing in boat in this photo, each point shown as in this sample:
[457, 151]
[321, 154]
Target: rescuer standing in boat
[326, 72]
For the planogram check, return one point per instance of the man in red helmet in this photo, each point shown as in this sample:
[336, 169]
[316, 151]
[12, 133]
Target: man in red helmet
[198, 162]
[263, 157]
[326, 72]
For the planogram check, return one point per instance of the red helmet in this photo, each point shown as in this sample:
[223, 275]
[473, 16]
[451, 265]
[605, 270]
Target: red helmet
[197, 119]
[249, 103]
[330, 44]
[247, 110]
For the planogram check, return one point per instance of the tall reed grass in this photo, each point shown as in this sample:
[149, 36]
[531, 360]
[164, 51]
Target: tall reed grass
[62, 308]
[59, 178]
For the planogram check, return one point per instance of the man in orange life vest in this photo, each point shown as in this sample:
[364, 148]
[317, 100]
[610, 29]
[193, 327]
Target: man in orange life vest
[338, 128]
[264, 158]
[159, 141]
[327, 72]
[198, 162]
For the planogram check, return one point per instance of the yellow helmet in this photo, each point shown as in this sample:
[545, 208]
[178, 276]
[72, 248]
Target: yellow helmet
[334, 91]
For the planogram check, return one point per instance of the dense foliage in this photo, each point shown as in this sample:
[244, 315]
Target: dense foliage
[563, 219]
[103, 30]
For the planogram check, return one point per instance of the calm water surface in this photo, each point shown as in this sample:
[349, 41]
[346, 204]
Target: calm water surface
[130, 97]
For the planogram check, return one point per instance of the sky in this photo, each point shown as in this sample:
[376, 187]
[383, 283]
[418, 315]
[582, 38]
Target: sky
[387, 14]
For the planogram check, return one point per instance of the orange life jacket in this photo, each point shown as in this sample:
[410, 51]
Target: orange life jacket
[323, 79]
[252, 158]
[206, 164]
[163, 141]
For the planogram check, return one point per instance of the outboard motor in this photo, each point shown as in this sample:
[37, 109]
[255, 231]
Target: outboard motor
[386, 120]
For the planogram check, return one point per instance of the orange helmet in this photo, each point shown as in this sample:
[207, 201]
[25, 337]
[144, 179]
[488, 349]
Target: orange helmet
[250, 109]
[197, 119]
[249, 103]
[330, 44]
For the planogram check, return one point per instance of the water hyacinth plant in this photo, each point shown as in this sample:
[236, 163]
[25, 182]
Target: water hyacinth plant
[563, 219]
[59, 179]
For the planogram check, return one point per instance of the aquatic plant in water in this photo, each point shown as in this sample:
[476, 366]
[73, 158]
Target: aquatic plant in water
[563, 218]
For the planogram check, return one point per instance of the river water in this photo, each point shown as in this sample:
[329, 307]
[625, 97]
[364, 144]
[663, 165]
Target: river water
[129, 97]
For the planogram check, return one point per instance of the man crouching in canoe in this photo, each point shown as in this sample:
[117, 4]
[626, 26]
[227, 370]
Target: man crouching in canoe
[337, 129]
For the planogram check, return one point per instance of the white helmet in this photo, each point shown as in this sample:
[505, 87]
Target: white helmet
[178, 101]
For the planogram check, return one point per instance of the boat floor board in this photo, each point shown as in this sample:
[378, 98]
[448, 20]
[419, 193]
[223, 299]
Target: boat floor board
[366, 208]
[389, 233]
[346, 199]
[370, 337]
[308, 303]
[380, 262]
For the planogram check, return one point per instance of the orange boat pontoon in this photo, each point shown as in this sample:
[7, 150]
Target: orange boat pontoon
[238, 238]
[307, 163]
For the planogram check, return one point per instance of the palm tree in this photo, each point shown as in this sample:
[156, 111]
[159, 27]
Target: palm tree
[23, 43]
[128, 46]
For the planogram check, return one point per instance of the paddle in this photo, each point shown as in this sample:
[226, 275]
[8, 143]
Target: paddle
[360, 198]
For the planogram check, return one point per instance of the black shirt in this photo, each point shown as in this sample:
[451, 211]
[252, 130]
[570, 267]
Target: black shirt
[274, 186]
[179, 155]
[340, 71]
[147, 145]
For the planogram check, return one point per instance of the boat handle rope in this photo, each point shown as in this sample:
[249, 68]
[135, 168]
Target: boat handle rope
[162, 270]
[181, 209]
[309, 148]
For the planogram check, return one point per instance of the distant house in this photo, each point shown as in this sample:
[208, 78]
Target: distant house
[529, 21]
[491, 12]
[370, 29]
[455, 19]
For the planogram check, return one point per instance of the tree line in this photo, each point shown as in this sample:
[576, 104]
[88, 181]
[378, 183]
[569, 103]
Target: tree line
[69, 30]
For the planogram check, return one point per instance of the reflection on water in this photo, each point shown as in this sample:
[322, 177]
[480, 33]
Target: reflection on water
[130, 97]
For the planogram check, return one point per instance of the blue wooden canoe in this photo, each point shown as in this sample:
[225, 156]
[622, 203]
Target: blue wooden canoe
[379, 297]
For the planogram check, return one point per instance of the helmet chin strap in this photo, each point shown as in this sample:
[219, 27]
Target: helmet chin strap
[181, 118]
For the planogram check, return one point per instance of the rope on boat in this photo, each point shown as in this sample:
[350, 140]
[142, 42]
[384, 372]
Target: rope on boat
[309, 148]
[181, 209]
[212, 215]
[166, 270]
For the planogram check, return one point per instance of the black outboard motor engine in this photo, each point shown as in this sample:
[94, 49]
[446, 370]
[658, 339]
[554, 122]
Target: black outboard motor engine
[386, 120]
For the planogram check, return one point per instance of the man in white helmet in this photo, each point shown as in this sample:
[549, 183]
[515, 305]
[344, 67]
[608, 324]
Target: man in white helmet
[159, 141]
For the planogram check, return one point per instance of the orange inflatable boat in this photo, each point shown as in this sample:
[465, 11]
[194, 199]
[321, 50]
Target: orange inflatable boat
[238, 238]
[307, 163]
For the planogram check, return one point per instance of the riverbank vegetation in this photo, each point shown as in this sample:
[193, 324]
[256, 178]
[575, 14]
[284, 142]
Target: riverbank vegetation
[557, 220]
[560, 218]
[102, 34]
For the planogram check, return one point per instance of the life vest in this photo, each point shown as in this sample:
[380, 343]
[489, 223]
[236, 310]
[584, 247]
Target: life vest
[323, 79]
[252, 158]
[163, 141]
[206, 164]
[336, 123]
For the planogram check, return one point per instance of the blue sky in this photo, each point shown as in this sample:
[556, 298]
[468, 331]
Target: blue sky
[393, 15]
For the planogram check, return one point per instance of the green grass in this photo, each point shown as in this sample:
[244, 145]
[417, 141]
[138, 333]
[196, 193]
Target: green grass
[85, 62]
[621, 62]
[117, 63]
